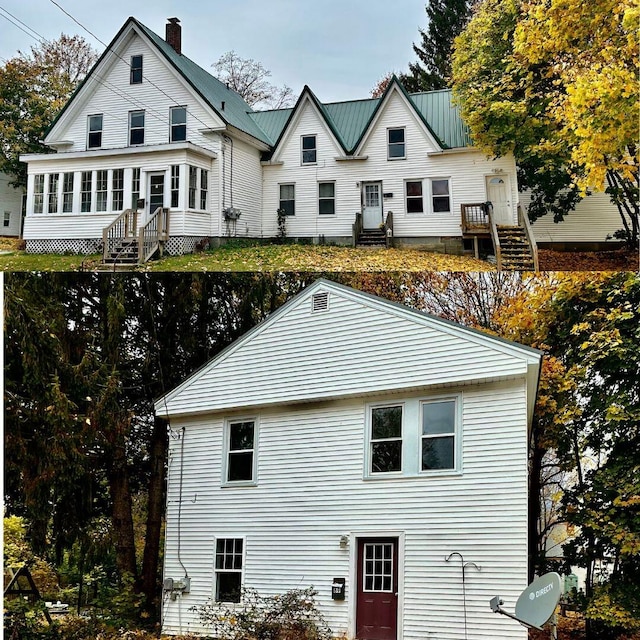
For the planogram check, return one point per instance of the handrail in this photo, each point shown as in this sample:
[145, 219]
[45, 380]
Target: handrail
[495, 238]
[523, 221]
[356, 228]
[388, 229]
[124, 226]
[153, 234]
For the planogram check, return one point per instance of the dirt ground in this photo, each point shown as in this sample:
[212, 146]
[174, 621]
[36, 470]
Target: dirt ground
[570, 627]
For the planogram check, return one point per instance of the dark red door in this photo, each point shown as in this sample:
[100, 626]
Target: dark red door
[377, 606]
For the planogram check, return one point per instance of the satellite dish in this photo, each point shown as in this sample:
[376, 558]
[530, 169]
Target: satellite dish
[536, 603]
[539, 600]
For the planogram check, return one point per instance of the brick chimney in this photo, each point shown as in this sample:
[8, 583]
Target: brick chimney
[174, 34]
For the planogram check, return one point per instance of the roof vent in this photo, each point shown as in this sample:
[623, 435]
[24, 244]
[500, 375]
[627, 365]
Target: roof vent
[320, 302]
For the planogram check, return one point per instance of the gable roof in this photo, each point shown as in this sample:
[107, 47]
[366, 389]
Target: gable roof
[349, 121]
[361, 345]
[236, 111]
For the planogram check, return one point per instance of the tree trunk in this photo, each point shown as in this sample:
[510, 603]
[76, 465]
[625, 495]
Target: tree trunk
[535, 488]
[155, 512]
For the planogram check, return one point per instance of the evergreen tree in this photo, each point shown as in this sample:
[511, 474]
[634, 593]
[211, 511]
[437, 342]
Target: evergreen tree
[447, 18]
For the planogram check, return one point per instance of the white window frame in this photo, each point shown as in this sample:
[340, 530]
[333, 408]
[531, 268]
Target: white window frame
[53, 192]
[280, 200]
[217, 571]
[227, 452]
[175, 186]
[403, 143]
[120, 191]
[369, 473]
[457, 434]
[314, 149]
[325, 198]
[39, 180]
[83, 191]
[407, 197]
[102, 205]
[68, 196]
[6, 222]
[95, 131]
[203, 193]
[432, 196]
[132, 68]
[142, 128]
[174, 125]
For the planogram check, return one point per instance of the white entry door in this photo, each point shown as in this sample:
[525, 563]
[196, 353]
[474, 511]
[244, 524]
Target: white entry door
[371, 205]
[499, 195]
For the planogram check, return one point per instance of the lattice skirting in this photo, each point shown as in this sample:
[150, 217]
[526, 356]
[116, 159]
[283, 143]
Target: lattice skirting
[175, 246]
[58, 245]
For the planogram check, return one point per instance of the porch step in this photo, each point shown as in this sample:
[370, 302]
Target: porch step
[372, 238]
[125, 252]
[517, 254]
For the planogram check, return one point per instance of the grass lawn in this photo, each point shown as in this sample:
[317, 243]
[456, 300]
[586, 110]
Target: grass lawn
[244, 256]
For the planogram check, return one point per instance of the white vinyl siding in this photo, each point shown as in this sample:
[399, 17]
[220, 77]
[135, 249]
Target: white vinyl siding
[296, 515]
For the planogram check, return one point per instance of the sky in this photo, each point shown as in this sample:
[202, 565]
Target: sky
[340, 48]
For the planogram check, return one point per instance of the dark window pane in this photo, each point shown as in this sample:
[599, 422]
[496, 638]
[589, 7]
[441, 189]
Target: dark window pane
[95, 139]
[414, 205]
[137, 120]
[414, 188]
[396, 150]
[437, 453]
[136, 69]
[327, 189]
[287, 192]
[228, 587]
[288, 206]
[438, 417]
[179, 133]
[327, 207]
[308, 142]
[441, 204]
[386, 456]
[241, 436]
[387, 422]
[308, 156]
[396, 135]
[440, 187]
[179, 115]
[137, 136]
[240, 466]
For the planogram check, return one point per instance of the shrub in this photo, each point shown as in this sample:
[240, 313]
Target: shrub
[290, 616]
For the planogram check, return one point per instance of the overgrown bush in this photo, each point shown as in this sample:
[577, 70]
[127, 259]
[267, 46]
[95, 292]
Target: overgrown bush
[282, 225]
[293, 615]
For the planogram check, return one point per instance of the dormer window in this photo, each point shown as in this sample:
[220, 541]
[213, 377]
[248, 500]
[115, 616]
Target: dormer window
[94, 140]
[308, 149]
[136, 70]
[396, 146]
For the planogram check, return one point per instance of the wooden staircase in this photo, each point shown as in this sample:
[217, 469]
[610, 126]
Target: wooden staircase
[372, 239]
[515, 249]
[124, 251]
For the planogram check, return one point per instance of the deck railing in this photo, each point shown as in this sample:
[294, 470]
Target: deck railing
[495, 238]
[153, 234]
[388, 229]
[356, 228]
[523, 221]
[475, 217]
[124, 226]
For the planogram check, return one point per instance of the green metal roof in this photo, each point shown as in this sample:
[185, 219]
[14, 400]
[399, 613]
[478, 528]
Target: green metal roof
[349, 120]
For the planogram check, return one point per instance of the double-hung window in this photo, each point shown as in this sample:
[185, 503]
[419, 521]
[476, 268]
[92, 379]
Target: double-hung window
[385, 454]
[309, 151]
[288, 199]
[204, 189]
[101, 190]
[136, 70]
[439, 434]
[135, 187]
[228, 569]
[396, 145]
[94, 137]
[54, 178]
[415, 203]
[241, 451]
[440, 196]
[178, 124]
[86, 186]
[67, 192]
[38, 193]
[193, 186]
[7, 218]
[327, 198]
[136, 127]
[118, 190]
[175, 185]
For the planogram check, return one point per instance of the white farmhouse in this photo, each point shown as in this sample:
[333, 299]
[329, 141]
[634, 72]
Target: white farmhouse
[348, 439]
[11, 204]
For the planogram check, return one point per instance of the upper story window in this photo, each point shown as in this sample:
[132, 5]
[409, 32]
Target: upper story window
[396, 144]
[309, 151]
[415, 202]
[385, 455]
[178, 124]
[94, 140]
[136, 127]
[440, 196]
[439, 434]
[136, 70]
[241, 459]
[288, 199]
